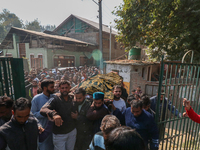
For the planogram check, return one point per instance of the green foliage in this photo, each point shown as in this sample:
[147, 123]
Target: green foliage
[47, 27]
[34, 25]
[8, 20]
[2, 32]
[169, 27]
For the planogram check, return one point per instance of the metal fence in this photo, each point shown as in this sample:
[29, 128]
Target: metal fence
[178, 81]
[12, 77]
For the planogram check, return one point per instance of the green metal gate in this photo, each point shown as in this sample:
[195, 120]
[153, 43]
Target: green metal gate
[12, 77]
[178, 81]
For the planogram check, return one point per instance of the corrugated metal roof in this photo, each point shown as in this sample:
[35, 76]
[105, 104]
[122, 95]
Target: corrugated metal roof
[105, 28]
[52, 36]
[130, 62]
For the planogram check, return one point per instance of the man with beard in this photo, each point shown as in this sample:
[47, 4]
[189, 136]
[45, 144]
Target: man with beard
[97, 111]
[143, 122]
[83, 124]
[37, 103]
[21, 132]
[118, 102]
[59, 108]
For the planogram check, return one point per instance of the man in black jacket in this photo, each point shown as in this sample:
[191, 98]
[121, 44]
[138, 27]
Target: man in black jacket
[59, 108]
[97, 111]
[21, 132]
[83, 124]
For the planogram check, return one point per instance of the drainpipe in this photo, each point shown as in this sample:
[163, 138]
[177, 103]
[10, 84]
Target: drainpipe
[15, 45]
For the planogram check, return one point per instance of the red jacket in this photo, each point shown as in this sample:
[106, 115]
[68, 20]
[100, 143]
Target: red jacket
[193, 115]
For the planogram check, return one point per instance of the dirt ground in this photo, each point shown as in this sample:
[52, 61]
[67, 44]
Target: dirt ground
[179, 141]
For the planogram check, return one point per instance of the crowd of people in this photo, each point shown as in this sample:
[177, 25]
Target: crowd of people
[75, 75]
[65, 121]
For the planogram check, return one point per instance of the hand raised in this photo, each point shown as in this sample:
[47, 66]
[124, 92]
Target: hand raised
[186, 103]
[185, 114]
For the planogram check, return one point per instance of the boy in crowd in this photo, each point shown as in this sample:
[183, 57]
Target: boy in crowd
[108, 123]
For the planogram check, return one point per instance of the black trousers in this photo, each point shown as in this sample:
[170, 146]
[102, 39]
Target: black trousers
[83, 142]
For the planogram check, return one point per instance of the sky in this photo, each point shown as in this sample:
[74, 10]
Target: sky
[54, 12]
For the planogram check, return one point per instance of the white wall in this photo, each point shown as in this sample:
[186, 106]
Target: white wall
[124, 70]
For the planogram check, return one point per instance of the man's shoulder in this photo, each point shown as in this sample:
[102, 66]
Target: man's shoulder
[38, 96]
[122, 100]
[6, 125]
[104, 107]
[147, 115]
[32, 120]
[54, 98]
[98, 137]
[71, 97]
[87, 102]
[153, 98]
[100, 133]
[127, 110]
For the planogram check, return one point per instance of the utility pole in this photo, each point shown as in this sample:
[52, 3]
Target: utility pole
[100, 34]
[110, 42]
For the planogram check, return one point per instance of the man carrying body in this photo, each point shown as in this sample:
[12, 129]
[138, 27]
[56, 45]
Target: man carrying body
[141, 120]
[97, 111]
[37, 103]
[21, 132]
[83, 124]
[59, 108]
[118, 102]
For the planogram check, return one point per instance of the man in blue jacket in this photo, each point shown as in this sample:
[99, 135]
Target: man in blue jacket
[142, 121]
[37, 103]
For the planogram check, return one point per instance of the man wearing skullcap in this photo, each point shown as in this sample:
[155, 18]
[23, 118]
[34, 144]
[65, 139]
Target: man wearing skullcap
[97, 111]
